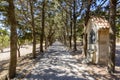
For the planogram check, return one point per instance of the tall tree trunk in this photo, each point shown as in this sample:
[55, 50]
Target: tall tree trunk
[33, 27]
[64, 34]
[46, 42]
[13, 40]
[64, 29]
[18, 48]
[85, 35]
[67, 31]
[43, 25]
[111, 61]
[71, 28]
[74, 28]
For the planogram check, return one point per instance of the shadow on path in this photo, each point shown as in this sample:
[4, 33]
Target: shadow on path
[56, 64]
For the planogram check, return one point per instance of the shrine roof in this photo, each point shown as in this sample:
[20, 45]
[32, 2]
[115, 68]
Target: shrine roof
[99, 22]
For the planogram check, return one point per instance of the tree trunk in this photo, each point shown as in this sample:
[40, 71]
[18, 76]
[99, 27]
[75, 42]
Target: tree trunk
[46, 42]
[71, 29]
[1, 50]
[85, 44]
[18, 49]
[111, 61]
[43, 25]
[74, 28]
[85, 35]
[67, 29]
[13, 40]
[33, 27]
[64, 36]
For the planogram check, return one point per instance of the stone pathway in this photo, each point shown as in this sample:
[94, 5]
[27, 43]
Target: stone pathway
[58, 64]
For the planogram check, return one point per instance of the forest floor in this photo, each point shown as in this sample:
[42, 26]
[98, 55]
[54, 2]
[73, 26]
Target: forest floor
[59, 63]
[22, 63]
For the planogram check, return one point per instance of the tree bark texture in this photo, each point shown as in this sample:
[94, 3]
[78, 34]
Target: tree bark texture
[111, 61]
[74, 28]
[13, 40]
[43, 26]
[71, 28]
[85, 35]
[33, 29]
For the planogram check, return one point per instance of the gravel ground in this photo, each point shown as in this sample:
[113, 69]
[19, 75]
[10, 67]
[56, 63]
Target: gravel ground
[118, 59]
[26, 49]
[58, 64]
